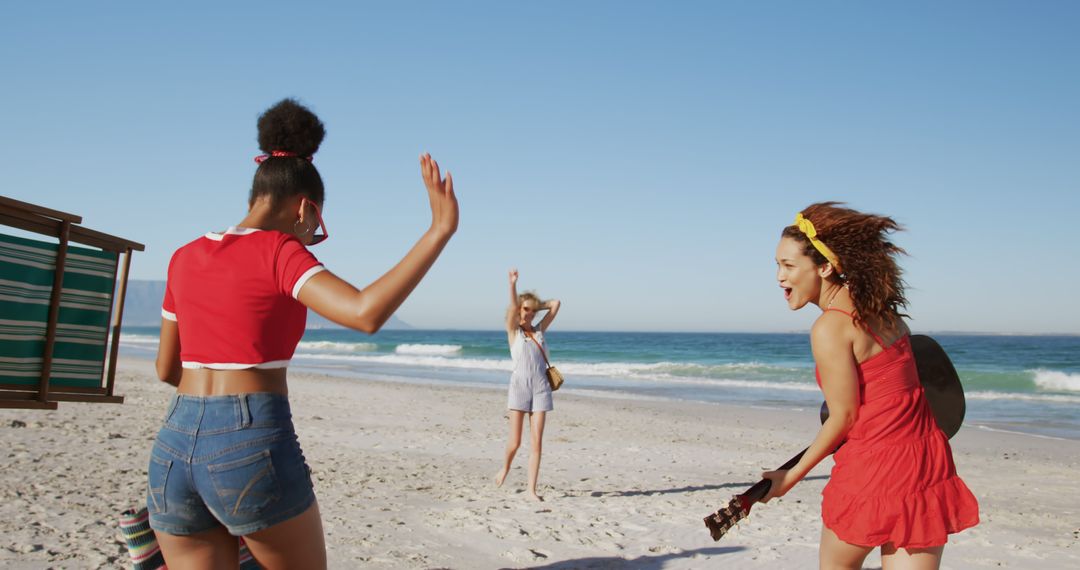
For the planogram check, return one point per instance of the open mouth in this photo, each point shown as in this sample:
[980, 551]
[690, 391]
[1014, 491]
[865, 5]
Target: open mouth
[787, 292]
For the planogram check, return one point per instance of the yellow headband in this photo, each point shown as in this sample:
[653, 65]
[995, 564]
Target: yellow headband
[807, 227]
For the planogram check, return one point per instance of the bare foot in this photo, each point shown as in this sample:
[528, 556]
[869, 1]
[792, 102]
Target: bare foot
[533, 496]
[500, 477]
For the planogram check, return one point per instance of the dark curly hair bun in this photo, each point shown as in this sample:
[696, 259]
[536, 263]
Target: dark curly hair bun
[291, 127]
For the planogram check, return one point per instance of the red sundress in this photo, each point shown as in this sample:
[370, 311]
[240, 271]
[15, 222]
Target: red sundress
[894, 479]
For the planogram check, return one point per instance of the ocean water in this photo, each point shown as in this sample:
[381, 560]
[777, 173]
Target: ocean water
[1028, 384]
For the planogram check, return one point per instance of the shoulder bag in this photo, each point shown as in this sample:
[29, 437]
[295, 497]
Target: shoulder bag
[554, 377]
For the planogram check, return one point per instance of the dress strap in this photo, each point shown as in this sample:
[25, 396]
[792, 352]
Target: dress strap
[539, 346]
[877, 338]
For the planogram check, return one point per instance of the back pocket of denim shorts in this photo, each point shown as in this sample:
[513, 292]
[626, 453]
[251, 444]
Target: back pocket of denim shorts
[157, 477]
[246, 485]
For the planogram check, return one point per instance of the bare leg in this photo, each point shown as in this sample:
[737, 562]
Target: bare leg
[893, 558]
[215, 548]
[835, 554]
[295, 543]
[512, 444]
[536, 427]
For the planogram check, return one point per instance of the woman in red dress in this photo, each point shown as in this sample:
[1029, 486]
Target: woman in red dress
[894, 484]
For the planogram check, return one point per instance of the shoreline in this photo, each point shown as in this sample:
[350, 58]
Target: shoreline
[616, 394]
[403, 475]
[1012, 385]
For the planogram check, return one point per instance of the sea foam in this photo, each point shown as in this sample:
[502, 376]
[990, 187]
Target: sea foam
[1056, 380]
[331, 346]
[1015, 396]
[658, 372]
[140, 339]
[428, 349]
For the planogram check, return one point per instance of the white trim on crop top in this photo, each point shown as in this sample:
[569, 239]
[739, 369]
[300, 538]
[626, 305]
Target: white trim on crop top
[300, 282]
[242, 231]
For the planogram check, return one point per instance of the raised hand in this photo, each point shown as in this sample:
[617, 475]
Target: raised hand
[513, 276]
[444, 206]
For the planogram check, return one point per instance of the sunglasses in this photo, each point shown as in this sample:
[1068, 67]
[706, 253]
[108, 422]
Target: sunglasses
[317, 237]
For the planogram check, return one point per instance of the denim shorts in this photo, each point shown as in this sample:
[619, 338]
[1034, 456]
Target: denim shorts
[227, 460]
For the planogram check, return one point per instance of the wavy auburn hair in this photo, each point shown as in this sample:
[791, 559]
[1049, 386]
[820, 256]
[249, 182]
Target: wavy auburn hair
[868, 258]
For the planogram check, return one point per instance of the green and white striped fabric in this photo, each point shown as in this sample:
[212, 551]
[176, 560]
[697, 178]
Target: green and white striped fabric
[27, 269]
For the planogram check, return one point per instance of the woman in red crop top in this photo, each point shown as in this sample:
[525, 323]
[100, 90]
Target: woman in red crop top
[894, 484]
[226, 462]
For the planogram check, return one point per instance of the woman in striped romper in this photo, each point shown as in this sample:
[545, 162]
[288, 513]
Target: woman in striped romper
[530, 392]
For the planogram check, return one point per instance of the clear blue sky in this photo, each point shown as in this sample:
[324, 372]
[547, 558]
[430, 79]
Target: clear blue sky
[636, 160]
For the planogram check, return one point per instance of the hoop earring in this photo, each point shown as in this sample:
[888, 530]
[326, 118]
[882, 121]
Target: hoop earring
[303, 233]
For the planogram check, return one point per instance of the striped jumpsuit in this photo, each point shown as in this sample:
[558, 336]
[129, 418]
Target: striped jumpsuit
[529, 387]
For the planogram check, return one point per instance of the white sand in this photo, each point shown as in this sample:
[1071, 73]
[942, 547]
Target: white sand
[403, 474]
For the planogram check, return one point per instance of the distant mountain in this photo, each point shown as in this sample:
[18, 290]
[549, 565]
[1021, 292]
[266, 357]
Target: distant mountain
[142, 304]
[142, 308]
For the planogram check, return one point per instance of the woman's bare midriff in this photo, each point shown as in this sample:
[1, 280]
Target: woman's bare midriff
[208, 382]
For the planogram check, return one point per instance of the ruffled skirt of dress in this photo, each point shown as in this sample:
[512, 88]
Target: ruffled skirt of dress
[905, 493]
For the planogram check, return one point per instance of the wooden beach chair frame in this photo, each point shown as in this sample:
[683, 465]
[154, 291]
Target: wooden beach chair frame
[66, 228]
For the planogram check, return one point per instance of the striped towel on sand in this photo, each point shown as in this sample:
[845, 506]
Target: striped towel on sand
[143, 547]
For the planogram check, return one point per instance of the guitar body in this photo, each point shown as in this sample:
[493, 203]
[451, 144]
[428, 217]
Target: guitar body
[941, 383]
[943, 391]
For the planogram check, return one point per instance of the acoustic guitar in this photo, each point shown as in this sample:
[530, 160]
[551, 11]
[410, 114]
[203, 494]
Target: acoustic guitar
[943, 391]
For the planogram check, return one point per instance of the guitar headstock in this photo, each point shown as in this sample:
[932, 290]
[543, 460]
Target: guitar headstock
[722, 520]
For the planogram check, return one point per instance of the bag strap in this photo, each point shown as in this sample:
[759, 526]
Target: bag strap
[538, 345]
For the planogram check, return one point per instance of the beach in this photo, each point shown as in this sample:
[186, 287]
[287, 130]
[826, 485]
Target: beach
[403, 472]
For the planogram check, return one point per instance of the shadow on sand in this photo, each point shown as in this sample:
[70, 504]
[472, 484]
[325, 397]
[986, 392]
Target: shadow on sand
[640, 563]
[679, 490]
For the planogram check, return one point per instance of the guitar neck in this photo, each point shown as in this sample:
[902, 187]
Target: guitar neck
[722, 520]
[761, 488]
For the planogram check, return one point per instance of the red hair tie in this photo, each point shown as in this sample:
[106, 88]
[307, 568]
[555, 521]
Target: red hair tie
[276, 153]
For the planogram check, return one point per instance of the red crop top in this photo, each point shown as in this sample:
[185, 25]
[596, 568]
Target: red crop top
[233, 297]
